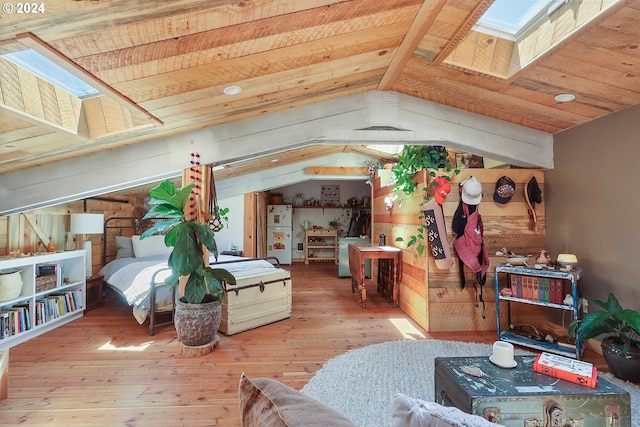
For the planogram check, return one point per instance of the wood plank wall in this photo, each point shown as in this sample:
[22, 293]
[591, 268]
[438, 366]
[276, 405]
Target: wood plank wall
[434, 298]
[18, 235]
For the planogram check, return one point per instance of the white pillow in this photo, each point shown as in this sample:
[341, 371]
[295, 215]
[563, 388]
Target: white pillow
[125, 247]
[411, 412]
[150, 246]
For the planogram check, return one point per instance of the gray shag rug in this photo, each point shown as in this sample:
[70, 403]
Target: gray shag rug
[361, 383]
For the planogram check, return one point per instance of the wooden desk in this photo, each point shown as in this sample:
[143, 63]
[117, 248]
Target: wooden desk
[358, 253]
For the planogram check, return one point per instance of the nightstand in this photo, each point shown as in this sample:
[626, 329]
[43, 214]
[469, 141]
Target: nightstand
[94, 292]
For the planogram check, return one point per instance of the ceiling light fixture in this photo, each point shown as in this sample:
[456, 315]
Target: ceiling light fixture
[232, 90]
[565, 97]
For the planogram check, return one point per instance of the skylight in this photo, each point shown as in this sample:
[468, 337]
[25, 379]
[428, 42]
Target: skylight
[509, 19]
[51, 72]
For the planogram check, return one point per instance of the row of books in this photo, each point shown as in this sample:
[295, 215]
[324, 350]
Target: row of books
[56, 305]
[543, 289]
[17, 318]
[14, 319]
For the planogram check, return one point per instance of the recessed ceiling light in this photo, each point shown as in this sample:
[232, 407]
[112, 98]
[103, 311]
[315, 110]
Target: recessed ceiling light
[565, 97]
[232, 90]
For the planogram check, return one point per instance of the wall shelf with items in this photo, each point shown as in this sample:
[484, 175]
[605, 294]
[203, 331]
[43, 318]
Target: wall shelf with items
[321, 245]
[52, 293]
[546, 288]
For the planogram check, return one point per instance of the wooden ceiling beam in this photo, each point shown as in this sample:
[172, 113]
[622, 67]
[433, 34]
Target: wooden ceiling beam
[422, 22]
[335, 170]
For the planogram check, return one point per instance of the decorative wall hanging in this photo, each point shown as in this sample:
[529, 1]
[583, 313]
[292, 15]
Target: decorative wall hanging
[215, 223]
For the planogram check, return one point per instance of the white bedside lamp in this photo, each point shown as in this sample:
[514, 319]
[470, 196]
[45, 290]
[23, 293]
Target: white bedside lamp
[87, 224]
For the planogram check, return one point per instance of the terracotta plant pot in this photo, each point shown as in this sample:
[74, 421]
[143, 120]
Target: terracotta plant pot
[197, 324]
[625, 368]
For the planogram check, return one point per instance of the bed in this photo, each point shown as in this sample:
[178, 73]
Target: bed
[136, 269]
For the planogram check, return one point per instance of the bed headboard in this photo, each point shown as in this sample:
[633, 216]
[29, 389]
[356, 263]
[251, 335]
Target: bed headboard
[121, 226]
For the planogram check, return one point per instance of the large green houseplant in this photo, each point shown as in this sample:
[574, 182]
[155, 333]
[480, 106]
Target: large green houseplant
[620, 332]
[204, 285]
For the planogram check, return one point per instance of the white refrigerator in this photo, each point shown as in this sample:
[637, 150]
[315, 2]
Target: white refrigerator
[279, 222]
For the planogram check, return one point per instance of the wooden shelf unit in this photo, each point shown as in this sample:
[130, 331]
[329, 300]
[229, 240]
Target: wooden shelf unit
[318, 242]
[70, 285]
[504, 334]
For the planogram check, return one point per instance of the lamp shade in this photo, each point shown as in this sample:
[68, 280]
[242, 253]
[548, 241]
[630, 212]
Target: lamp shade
[87, 223]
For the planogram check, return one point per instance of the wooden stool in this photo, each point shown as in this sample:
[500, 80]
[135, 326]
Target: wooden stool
[4, 374]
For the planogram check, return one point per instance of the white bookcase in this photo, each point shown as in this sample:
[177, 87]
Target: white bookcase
[44, 310]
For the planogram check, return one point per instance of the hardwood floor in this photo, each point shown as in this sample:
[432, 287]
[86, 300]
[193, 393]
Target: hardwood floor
[105, 369]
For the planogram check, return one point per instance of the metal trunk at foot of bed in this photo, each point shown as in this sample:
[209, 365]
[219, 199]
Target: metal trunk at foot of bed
[197, 324]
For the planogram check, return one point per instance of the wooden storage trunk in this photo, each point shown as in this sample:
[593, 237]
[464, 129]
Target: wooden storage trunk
[521, 397]
[261, 296]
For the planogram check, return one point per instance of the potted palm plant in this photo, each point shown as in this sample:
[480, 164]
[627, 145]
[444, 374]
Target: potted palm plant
[198, 312]
[620, 331]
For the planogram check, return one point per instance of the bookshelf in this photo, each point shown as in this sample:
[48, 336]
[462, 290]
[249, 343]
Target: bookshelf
[525, 293]
[45, 302]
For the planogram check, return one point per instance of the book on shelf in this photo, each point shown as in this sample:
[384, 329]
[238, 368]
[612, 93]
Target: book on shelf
[25, 315]
[557, 291]
[5, 324]
[534, 288]
[567, 369]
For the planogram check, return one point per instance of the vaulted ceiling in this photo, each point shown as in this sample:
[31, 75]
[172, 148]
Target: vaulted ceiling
[162, 67]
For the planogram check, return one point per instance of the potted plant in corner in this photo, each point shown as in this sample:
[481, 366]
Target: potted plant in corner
[199, 311]
[620, 330]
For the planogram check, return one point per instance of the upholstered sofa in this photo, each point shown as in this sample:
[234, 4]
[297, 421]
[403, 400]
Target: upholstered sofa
[266, 402]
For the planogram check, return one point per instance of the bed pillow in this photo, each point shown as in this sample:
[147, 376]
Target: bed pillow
[268, 403]
[125, 247]
[411, 412]
[150, 246]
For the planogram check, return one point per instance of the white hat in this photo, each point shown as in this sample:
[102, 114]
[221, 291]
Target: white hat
[471, 191]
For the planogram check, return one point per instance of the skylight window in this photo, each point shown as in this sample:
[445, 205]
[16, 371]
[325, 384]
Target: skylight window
[51, 72]
[509, 19]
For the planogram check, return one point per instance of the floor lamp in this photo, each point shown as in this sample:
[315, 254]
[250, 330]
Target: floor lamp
[87, 224]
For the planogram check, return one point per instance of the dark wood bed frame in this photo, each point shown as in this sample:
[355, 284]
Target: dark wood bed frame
[136, 225]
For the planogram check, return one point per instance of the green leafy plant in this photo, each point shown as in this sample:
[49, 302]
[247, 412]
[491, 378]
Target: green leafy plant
[223, 214]
[187, 239]
[415, 158]
[617, 325]
[412, 159]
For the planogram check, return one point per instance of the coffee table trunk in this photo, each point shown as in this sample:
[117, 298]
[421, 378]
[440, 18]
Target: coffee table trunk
[521, 397]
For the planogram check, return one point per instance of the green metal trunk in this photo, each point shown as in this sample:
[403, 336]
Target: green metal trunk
[520, 397]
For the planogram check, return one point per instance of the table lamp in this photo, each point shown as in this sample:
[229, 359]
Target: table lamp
[87, 224]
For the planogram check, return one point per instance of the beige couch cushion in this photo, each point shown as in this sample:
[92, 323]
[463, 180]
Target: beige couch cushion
[268, 403]
[411, 412]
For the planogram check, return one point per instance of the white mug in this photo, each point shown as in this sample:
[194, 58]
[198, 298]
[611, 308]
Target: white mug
[503, 354]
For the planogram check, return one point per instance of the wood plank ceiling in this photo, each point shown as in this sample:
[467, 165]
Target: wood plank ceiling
[163, 65]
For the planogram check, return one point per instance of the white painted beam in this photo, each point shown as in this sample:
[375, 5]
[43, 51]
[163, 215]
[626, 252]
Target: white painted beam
[339, 121]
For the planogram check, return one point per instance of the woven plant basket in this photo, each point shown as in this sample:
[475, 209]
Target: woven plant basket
[10, 285]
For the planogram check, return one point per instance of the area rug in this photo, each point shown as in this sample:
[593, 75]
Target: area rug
[360, 383]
